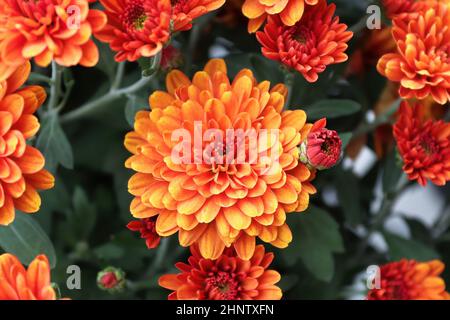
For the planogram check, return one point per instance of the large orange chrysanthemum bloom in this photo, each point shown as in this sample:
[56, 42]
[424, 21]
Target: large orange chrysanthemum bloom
[289, 11]
[49, 30]
[136, 28]
[17, 283]
[422, 62]
[185, 11]
[424, 145]
[21, 165]
[227, 278]
[410, 280]
[215, 199]
[310, 45]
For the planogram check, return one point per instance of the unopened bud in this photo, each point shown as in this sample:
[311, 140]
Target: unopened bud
[322, 148]
[111, 279]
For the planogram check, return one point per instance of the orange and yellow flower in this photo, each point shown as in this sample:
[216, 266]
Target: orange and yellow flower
[410, 280]
[219, 202]
[311, 44]
[290, 12]
[423, 144]
[422, 62]
[136, 28]
[227, 278]
[21, 165]
[49, 30]
[185, 11]
[18, 283]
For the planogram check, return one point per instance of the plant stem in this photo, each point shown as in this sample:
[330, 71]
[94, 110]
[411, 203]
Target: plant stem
[119, 76]
[55, 88]
[289, 82]
[94, 106]
[380, 218]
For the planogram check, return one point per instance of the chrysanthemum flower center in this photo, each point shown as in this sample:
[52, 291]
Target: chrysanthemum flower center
[134, 15]
[223, 284]
[428, 143]
[301, 35]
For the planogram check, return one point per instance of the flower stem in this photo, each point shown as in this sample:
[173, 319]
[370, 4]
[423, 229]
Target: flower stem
[55, 88]
[93, 106]
[119, 76]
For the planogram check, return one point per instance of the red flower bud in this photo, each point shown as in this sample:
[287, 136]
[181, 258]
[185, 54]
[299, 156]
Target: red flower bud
[111, 279]
[322, 148]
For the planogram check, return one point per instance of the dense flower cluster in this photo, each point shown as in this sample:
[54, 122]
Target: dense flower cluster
[410, 280]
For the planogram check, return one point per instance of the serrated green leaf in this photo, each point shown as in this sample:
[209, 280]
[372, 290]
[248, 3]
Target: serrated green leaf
[333, 108]
[316, 238]
[25, 239]
[401, 248]
[345, 137]
[53, 143]
[349, 196]
[134, 104]
[392, 172]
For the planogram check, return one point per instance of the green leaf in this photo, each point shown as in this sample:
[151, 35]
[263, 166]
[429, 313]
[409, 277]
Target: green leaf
[349, 196]
[316, 238]
[109, 251]
[25, 239]
[53, 143]
[333, 108]
[400, 248]
[134, 104]
[392, 172]
[345, 137]
[83, 216]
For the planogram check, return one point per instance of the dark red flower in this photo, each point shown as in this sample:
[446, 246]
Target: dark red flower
[147, 228]
[424, 145]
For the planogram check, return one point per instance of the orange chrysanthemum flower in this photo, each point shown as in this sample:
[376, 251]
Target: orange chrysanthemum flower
[136, 28]
[395, 7]
[424, 145]
[17, 283]
[49, 30]
[185, 11]
[290, 12]
[410, 280]
[422, 62]
[227, 278]
[21, 165]
[314, 42]
[216, 199]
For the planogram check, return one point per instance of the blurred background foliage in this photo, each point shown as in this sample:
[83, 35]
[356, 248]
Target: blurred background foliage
[82, 220]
